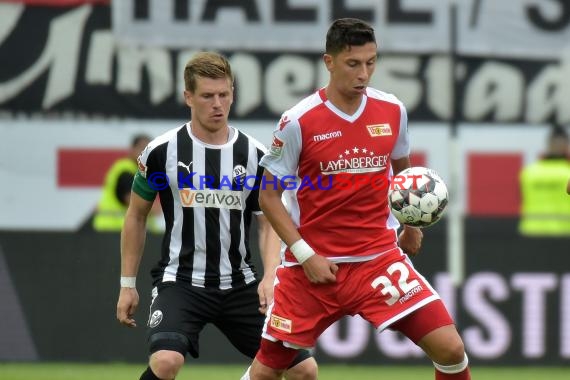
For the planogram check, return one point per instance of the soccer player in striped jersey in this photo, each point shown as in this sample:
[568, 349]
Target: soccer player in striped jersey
[344, 255]
[207, 175]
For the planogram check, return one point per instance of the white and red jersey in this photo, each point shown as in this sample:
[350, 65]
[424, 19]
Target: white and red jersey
[340, 166]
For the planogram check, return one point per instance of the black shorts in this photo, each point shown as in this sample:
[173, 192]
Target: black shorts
[179, 312]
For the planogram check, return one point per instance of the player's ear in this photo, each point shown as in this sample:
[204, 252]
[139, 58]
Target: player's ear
[328, 60]
[188, 98]
[232, 94]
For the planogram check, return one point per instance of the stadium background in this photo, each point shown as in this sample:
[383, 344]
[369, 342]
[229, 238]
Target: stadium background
[79, 78]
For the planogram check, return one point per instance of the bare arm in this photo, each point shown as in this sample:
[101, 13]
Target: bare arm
[410, 239]
[269, 249]
[317, 268]
[133, 235]
[132, 246]
[275, 211]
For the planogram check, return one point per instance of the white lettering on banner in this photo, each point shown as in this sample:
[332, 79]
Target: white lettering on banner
[491, 337]
[264, 24]
[534, 287]
[60, 57]
[535, 29]
[131, 63]
[493, 91]
[489, 332]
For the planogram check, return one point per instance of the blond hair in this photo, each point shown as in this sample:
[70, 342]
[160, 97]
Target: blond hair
[206, 65]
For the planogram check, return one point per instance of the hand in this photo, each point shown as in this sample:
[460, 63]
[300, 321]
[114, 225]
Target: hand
[410, 240]
[265, 292]
[320, 270]
[127, 305]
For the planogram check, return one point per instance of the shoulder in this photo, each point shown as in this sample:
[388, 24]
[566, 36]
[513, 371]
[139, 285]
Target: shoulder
[383, 96]
[304, 106]
[252, 141]
[162, 140]
[155, 151]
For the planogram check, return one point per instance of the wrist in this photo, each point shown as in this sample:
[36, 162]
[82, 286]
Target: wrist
[128, 282]
[301, 250]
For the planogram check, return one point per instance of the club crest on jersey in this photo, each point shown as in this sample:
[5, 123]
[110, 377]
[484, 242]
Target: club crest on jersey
[276, 147]
[376, 130]
[238, 174]
[280, 323]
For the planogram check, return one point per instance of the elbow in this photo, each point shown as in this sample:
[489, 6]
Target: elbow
[263, 201]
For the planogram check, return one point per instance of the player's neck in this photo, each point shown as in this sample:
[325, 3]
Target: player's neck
[348, 105]
[210, 136]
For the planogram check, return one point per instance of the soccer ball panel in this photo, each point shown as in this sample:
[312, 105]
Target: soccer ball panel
[418, 196]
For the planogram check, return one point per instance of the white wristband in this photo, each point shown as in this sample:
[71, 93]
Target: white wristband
[128, 282]
[301, 250]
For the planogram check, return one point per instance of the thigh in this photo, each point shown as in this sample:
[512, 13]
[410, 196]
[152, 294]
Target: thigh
[178, 313]
[301, 311]
[240, 320]
[425, 320]
[388, 289]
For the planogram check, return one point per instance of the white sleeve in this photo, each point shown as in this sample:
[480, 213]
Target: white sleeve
[402, 146]
[282, 158]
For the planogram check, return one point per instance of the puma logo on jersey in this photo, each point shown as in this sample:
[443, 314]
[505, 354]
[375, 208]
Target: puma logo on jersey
[376, 130]
[180, 163]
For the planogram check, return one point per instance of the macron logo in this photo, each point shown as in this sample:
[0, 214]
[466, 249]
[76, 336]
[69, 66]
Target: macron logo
[327, 136]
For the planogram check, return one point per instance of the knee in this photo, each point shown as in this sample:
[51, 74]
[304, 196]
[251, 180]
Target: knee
[305, 370]
[443, 346]
[166, 364]
[451, 353]
[260, 371]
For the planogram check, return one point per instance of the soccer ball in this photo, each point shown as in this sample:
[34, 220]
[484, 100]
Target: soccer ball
[417, 196]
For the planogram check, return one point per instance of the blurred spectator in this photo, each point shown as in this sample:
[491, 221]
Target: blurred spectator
[545, 206]
[116, 193]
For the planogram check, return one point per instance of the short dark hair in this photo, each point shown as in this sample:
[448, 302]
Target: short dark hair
[346, 32]
[206, 65]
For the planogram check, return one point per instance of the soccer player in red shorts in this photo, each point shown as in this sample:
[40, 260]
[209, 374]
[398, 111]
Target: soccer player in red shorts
[339, 146]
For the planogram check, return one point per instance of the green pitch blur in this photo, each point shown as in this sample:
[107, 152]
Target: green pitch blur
[117, 371]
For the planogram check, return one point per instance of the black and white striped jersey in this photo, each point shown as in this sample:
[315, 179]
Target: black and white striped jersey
[208, 194]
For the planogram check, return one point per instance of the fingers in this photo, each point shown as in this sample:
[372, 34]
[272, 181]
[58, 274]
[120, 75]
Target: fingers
[325, 277]
[262, 304]
[126, 318]
[126, 307]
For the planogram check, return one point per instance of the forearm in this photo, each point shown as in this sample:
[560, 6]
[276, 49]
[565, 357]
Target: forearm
[274, 210]
[133, 238]
[400, 164]
[269, 246]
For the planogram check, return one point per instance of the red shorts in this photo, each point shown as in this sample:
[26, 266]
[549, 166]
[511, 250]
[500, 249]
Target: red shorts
[382, 291]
